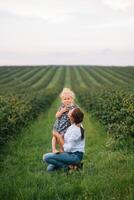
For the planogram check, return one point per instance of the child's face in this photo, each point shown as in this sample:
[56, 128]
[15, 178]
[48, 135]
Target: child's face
[67, 100]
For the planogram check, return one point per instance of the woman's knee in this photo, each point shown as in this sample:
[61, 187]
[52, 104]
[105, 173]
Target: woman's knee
[47, 156]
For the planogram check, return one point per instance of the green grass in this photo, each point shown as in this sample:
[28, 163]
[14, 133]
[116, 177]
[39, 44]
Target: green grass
[67, 77]
[107, 174]
[55, 78]
[90, 79]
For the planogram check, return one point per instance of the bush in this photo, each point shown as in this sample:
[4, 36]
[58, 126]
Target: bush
[16, 111]
[114, 108]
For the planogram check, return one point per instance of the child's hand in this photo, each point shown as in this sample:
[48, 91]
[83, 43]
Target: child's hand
[64, 109]
[69, 113]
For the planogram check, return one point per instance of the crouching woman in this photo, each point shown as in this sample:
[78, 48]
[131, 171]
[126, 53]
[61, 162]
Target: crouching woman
[73, 144]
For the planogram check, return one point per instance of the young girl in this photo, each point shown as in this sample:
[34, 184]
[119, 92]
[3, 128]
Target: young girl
[63, 122]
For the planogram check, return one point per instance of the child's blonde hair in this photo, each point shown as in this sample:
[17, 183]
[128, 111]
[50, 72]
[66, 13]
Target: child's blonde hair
[67, 91]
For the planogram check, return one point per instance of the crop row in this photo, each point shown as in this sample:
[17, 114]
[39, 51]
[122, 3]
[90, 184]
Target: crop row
[104, 76]
[114, 107]
[19, 77]
[31, 87]
[17, 109]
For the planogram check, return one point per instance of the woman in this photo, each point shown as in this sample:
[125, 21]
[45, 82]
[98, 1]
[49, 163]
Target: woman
[73, 144]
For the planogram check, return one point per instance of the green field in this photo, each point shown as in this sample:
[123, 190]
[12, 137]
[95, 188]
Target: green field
[37, 78]
[28, 102]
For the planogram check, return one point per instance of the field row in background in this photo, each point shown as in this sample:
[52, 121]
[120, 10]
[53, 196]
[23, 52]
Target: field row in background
[37, 78]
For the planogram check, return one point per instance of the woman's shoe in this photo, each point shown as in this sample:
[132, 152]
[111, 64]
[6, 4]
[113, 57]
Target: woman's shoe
[51, 168]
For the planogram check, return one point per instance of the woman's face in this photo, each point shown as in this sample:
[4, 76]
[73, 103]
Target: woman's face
[70, 116]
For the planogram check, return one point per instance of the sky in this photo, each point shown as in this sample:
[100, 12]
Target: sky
[89, 32]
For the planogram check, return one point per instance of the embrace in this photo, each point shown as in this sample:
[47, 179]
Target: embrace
[71, 141]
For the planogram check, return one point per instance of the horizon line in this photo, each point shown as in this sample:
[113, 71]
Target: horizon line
[41, 65]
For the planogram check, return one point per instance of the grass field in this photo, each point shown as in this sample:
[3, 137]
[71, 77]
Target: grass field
[108, 174]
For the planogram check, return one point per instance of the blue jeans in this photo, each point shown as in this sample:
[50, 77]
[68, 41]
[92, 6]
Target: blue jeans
[62, 160]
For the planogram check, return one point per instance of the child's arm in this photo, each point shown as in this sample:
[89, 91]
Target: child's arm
[59, 113]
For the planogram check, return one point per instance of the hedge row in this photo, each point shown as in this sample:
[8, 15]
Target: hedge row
[16, 111]
[114, 108]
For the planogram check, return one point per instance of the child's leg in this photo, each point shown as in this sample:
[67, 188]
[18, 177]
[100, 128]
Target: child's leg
[58, 142]
[61, 147]
[54, 142]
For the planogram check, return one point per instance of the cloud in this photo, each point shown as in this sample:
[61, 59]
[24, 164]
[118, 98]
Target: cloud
[48, 19]
[58, 13]
[122, 5]
[63, 26]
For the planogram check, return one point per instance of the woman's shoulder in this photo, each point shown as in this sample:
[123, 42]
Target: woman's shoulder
[71, 128]
[74, 128]
[74, 131]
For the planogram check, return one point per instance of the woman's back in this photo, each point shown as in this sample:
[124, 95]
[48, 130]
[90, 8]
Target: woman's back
[72, 139]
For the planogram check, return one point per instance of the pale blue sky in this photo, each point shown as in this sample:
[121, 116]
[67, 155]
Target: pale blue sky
[67, 32]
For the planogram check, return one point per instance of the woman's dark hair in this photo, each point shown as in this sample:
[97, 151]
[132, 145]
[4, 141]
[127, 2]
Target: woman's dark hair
[78, 116]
